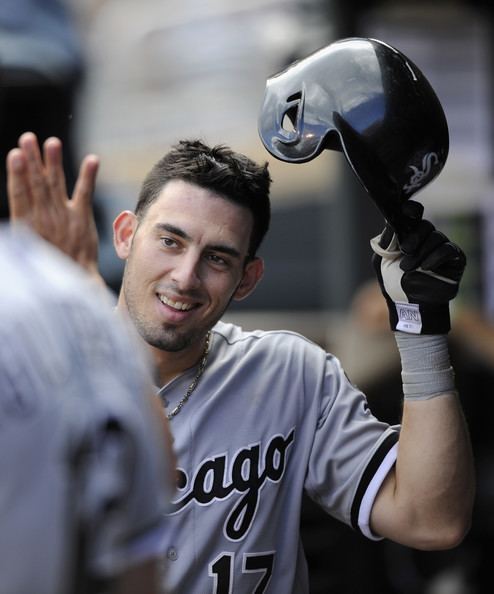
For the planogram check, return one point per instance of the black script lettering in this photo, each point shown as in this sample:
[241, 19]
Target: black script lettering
[247, 478]
[242, 515]
[252, 457]
[216, 468]
[276, 453]
[244, 511]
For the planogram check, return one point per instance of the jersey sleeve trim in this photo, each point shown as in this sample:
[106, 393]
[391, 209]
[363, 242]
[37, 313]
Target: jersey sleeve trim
[372, 479]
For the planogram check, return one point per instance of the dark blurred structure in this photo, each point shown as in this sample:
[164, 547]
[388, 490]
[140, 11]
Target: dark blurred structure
[41, 68]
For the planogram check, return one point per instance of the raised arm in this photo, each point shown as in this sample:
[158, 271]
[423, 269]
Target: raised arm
[426, 501]
[38, 197]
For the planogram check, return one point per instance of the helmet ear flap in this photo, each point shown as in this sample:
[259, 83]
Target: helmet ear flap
[291, 119]
[284, 126]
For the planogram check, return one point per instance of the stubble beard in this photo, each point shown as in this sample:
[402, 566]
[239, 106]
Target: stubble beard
[165, 337]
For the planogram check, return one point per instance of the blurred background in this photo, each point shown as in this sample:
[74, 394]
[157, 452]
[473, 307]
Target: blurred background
[127, 79]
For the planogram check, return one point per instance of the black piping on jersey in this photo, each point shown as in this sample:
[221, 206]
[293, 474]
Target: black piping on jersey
[368, 475]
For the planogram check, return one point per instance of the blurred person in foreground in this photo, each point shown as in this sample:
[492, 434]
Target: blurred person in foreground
[260, 417]
[85, 458]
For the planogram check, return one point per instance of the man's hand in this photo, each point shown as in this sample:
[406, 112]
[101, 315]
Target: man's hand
[38, 197]
[418, 277]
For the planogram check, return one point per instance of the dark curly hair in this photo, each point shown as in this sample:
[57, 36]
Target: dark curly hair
[220, 169]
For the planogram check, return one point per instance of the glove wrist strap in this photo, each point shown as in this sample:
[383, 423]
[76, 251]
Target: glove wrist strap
[425, 318]
[426, 367]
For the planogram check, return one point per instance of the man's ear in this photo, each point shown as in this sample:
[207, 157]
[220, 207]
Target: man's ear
[124, 227]
[252, 275]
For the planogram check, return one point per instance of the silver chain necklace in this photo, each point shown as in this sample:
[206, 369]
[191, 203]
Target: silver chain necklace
[195, 381]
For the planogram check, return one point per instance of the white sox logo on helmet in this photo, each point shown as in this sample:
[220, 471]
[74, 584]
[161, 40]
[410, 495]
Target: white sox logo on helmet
[418, 177]
[215, 480]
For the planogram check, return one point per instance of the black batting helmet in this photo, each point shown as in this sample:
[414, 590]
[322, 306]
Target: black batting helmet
[365, 98]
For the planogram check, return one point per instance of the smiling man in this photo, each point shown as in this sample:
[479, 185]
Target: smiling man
[260, 417]
[181, 270]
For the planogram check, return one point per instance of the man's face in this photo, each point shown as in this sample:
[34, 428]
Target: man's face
[186, 260]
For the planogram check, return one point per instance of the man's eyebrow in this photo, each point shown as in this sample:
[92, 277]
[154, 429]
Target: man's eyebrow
[172, 229]
[219, 247]
[225, 249]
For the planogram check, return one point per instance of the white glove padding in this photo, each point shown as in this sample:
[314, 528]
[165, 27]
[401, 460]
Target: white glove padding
[418, 277]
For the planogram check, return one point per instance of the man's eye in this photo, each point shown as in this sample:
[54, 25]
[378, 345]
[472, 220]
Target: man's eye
[168, 241]
[215, 259]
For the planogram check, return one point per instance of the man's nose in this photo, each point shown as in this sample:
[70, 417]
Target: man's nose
[186, 273]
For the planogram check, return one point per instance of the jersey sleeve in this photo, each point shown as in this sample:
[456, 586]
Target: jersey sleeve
[352, 452]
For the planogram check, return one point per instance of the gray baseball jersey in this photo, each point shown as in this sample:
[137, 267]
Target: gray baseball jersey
[81, 456]
[272, 416]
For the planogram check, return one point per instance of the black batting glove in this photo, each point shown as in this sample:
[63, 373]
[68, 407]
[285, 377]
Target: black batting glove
[418, 276]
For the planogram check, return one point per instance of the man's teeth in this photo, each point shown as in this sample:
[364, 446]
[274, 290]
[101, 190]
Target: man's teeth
[175, 304]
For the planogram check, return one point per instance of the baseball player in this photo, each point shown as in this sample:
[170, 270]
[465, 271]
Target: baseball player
[85, 466]
[260, 417]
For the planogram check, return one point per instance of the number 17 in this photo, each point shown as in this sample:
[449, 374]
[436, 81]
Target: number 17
[221, 570]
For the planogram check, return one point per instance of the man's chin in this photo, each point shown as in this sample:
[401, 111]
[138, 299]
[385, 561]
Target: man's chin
[171, 341]
[171, 346]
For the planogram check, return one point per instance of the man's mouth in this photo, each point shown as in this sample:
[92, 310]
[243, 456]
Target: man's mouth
[178, 305]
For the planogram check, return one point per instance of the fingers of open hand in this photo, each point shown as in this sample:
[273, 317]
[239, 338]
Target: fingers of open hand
[86, 181]
[18, 191]
[55, 176]
[81, 237]
[46, 181]
[36, 176]
[83, 227]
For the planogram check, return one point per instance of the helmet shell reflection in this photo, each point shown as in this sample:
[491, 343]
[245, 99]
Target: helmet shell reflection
[365, 98]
